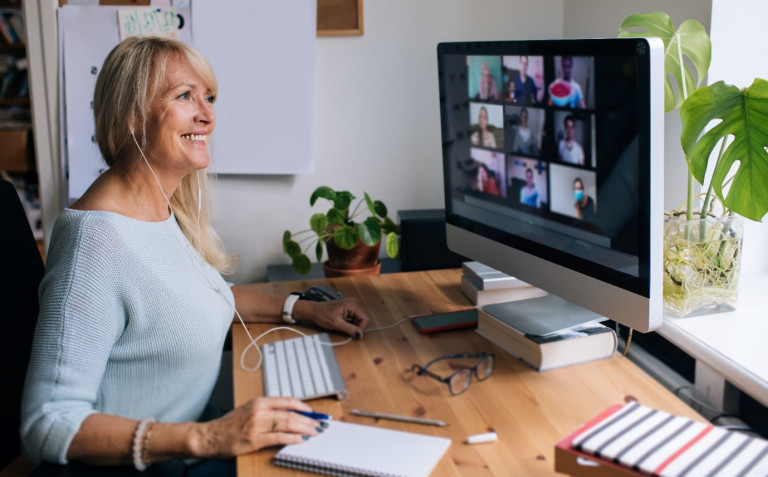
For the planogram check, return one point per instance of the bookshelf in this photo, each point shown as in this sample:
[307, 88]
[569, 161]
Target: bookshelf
[17, 156]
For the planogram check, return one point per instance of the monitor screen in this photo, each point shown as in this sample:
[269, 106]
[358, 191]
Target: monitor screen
[553, 160]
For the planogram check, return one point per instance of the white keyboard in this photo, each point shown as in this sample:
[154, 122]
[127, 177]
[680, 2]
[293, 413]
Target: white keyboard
[303, 368]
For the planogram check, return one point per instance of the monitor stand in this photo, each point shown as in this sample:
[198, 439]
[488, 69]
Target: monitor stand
[543, 315]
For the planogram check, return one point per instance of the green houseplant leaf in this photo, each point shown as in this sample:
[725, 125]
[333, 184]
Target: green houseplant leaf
[742, 115]
[341, 226]
[690, 42]
[370, 231]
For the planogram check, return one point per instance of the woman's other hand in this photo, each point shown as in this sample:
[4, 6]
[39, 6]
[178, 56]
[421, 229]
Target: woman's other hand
[345, 315]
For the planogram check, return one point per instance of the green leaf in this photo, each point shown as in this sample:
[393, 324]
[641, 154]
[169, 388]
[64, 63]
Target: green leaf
[392, 245]
[336, 217]
[742, 115]
[342, 200]
[369, 203]
[319, 250]
[345, 237]
[380, 209]
[370, 231]
[690, 40]
[291, 248]
[324, 192]
[302, 264]
[318, 223]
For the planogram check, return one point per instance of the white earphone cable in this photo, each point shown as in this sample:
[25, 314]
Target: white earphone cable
[199, 259]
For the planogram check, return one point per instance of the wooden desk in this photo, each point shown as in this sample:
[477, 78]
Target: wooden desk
[530, 411]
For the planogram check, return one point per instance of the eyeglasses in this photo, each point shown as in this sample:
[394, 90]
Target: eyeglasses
[458, 381]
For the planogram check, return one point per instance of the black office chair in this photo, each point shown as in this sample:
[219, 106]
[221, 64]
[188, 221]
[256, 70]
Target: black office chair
[22, 269]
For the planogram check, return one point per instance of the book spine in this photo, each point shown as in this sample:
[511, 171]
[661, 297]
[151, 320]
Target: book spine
[7, 32]
[486, 278]
[17, 24]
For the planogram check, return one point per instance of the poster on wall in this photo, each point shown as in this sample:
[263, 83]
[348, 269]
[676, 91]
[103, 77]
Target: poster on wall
[264, 108]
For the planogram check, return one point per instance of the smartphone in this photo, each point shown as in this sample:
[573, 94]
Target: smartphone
[452, 320]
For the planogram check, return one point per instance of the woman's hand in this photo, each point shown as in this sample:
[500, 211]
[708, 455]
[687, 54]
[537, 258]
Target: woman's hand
[345, 315]
[259, 423]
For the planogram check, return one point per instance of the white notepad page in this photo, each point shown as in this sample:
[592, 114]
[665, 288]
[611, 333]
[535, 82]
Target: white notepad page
[366, 450]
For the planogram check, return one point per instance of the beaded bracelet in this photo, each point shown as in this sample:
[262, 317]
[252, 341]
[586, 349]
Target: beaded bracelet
[137, 444]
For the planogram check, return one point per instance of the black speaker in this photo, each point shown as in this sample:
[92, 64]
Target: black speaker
[423, 245]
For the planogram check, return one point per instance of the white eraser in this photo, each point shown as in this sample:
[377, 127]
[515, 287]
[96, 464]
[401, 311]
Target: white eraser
[479, 438]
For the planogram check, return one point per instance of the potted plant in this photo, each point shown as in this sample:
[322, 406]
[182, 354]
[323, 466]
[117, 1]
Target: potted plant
[724, 138]
[351, 241]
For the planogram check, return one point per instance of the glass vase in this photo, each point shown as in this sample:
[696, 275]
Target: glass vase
[702, 259]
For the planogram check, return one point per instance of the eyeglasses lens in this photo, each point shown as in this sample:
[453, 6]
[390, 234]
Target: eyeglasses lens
[484, 368]
[460, 381]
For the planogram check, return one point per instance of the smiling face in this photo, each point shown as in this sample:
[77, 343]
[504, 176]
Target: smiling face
[180, 121]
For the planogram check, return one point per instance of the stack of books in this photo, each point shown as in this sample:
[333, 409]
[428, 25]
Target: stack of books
[580, 341]
[484, 285]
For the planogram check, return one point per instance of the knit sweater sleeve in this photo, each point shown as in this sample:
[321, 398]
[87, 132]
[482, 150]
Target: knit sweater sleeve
[82, 314]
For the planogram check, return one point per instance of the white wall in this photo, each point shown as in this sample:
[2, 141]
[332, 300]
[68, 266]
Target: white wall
[377, 118]
[735, 29]
[585, 18]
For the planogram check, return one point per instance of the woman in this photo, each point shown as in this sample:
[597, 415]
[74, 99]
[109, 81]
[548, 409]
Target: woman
[134, 310]
[488, 89]
[483, 137]
[485, 180]
[526, 142]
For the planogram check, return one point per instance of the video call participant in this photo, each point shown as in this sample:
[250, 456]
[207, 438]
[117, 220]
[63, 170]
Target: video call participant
[576, 99]
[528, 193]
[488, 89]
[485, 181]
[133, 308]
[569, 150]
[525, 87]
[584, 205]
[483, 137]
[526, 142]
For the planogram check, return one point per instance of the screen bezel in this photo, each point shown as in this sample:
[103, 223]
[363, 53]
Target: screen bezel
[633, 301]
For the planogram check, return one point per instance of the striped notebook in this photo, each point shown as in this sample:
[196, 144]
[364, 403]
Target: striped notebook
[647, 441]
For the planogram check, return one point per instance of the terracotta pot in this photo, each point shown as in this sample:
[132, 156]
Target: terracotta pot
[362, 259]
[338, 272]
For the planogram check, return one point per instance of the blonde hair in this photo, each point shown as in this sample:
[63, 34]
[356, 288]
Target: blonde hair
[131, 76]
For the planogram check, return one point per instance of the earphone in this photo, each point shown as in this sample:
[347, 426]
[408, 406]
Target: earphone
[199, 260]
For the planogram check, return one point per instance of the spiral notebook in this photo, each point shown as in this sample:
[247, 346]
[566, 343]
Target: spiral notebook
[347, 449]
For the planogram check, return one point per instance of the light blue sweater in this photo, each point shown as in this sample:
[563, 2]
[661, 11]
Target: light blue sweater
[132, 323]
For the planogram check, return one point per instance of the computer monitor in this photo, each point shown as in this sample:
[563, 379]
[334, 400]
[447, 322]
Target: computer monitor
[553, 167]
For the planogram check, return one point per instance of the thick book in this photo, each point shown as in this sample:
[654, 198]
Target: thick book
[359, 450]
[581, 344]
[632, 439]
[487, 278]
[486, 297]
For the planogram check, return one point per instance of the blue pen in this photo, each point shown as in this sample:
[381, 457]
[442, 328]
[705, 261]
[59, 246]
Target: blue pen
[315, 415]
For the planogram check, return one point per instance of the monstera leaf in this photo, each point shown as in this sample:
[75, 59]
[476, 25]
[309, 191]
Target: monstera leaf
[689, 41]
[743, 116]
